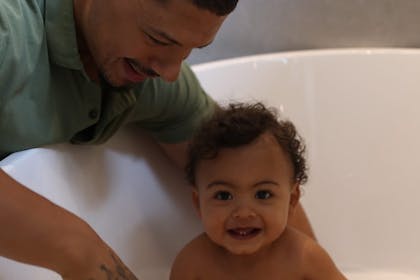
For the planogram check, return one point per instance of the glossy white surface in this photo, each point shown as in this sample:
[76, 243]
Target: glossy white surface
[126, 190]
[380, 275]
[357, 110]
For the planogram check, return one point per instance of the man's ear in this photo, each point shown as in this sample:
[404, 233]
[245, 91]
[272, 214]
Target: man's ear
[294, 197]
[196, 201]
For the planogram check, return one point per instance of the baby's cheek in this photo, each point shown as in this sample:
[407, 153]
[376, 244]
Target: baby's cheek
[278, 220]
[212, 223]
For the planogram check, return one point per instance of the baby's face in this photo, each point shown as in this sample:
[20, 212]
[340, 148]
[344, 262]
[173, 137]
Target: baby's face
[244, 196]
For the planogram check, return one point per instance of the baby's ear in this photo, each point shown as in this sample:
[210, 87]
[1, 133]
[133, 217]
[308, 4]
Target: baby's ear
[294, 196]
[196, 201]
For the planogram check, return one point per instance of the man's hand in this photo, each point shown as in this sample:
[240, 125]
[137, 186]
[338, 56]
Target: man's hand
[36, 231]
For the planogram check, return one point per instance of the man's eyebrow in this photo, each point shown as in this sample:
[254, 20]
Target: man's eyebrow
[172, 40]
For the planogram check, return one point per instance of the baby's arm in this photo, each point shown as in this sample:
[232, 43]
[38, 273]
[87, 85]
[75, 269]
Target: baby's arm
[319, 265]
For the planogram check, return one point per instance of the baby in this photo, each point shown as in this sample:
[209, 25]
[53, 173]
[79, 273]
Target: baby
[246, 168]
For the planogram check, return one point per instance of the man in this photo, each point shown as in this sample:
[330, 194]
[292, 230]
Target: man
[77, 70]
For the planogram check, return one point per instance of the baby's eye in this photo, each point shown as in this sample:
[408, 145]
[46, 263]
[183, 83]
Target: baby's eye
[263, 195]
[223, 195]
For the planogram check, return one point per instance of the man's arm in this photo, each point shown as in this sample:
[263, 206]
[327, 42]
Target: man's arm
[318, 264]
[300, 221]
[38, 232]
[177, 153]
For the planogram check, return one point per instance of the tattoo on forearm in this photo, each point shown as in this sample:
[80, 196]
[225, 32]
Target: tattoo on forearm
[120, 271]
[107, 271]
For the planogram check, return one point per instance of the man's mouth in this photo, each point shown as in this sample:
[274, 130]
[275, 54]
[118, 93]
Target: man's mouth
[135, 73]
[244, 233]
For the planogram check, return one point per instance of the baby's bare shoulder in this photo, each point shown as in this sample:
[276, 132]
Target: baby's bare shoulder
[186, 264]
[199, 244]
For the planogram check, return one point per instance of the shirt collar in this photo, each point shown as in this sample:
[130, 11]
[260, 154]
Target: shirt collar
[61, 34]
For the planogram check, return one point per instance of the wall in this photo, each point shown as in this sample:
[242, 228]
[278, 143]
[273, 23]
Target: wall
[260, 26]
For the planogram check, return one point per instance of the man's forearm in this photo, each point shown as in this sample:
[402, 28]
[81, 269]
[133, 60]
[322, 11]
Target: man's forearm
[38, 232]
[300, 221]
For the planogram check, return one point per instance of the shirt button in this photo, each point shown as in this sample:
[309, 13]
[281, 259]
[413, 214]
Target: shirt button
[93, 114]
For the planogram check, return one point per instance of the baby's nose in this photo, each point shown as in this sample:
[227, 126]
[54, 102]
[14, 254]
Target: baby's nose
[243, 212]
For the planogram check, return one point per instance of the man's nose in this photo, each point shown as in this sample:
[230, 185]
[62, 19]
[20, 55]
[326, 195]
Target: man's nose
[167, 71]
[168, 67]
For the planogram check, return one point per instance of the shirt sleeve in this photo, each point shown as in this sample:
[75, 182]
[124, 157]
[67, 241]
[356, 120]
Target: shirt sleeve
[21, 35]
[4, 42]
[171, 111]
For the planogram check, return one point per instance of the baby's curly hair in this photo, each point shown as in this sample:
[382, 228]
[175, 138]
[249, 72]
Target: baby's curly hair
[239, 124]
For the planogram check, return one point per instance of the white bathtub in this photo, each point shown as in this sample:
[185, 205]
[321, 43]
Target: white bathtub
[356, 108]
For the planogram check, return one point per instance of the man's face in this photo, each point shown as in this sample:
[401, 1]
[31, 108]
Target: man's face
[131, 40]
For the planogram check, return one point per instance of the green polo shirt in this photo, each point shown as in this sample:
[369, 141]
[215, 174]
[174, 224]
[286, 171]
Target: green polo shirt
[46, 97]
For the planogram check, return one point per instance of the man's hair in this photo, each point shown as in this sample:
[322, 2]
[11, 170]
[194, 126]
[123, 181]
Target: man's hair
[217, 7]
[239, 124]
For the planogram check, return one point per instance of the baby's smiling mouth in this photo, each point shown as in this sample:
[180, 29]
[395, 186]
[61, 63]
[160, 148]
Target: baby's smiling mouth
[243, 233]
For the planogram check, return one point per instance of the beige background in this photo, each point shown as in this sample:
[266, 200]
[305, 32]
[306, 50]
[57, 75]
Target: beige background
[260, 26]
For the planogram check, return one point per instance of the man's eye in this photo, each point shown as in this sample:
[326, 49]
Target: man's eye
[156, 41]
[263, 195]
[222, 195]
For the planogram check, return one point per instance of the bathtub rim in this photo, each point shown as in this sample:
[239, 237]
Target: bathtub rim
[299, 54]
